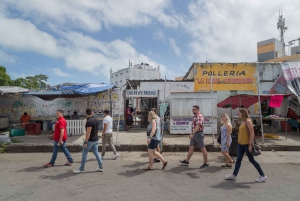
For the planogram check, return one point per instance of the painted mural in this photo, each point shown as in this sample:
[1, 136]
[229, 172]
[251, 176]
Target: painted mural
[45, 110]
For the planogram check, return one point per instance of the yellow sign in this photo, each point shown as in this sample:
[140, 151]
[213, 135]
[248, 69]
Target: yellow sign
[225, 76]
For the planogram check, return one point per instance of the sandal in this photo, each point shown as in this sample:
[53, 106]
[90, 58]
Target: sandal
[68, 163]
[147, 168]
[164, 165]
[226, 165]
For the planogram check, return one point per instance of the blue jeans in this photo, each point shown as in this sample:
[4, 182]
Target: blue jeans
[63, 147]
[240, 153]
[85, 151]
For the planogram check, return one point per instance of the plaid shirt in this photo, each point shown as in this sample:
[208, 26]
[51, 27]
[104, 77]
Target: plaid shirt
[198, 120]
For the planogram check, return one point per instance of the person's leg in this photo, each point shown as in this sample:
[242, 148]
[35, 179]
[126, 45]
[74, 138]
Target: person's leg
[254, 162]
[85, 152]
[104, 141]
[199, 138]
[190, 153]
[158, 155]
[54, 153]
[151, 157]
[96, 153]
[158, 148]
[227, 157]
[204, 152]
[111, 144]
[240, 154]
[66, 152]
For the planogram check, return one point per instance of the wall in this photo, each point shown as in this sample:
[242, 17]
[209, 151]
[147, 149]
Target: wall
[166, 88]
[45, 110]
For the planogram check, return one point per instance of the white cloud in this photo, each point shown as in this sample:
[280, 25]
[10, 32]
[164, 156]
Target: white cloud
[59, 72]
[159, 35]
[228, 31]
[174, 47]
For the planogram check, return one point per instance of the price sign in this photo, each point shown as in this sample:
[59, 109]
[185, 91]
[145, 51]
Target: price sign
[275, 101]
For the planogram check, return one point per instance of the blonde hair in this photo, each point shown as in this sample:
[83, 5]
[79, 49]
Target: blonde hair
[245, 114]
[227, 118]
[152, 115]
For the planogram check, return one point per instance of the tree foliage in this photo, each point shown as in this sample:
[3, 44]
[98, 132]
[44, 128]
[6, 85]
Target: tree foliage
[36, 82]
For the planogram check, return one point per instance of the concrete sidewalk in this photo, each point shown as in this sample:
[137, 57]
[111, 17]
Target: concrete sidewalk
[135, 140]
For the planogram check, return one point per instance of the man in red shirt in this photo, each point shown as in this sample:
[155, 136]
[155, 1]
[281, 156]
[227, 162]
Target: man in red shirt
[128, 115]
[60, 137]
[197, 138]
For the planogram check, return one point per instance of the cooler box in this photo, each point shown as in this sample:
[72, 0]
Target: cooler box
[16, 132]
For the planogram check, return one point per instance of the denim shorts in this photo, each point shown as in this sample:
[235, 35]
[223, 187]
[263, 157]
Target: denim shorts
[153, 144]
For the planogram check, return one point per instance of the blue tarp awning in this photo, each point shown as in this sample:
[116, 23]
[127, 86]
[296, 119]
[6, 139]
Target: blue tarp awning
[72, 91]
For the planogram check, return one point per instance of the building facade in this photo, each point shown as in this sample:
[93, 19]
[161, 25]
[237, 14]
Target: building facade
[141, 71]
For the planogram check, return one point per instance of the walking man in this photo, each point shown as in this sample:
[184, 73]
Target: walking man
[90, 142]
[107, 135]
[60, 137]
[197, 138]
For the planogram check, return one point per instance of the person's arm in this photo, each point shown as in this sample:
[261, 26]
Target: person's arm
[104, 129]
[62, 130]
[229, 131]
[87, 136]
[29, 118]
[153, 125]
[250, 127]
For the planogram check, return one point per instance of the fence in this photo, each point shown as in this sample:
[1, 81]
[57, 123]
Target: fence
[75, 127]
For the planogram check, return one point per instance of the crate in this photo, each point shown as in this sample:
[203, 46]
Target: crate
[33, 129]
[16, 132]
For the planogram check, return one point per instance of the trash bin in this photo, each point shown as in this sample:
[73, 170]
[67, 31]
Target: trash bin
[234, 144]
[40, 122]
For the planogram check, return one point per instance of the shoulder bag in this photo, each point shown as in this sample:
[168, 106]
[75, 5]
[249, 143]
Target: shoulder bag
[256, 149]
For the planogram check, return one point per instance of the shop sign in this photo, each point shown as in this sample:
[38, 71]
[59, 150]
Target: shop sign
[141, 93]
[225, 77]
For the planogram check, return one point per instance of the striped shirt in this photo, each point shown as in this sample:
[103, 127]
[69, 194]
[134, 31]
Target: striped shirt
[198, 120]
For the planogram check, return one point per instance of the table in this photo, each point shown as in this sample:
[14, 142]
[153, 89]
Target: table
[278, 119]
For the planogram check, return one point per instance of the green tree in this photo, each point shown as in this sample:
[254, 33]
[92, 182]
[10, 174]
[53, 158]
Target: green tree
[4, 77]
[37, 82]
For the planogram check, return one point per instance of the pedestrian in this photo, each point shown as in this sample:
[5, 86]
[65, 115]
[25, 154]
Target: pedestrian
[196, 138]
[90, 142]
[226, 140]
[107, 134]
[128, 115]
[245, 145]
[156, 160]
[25, 118]
[60, 138]
[153, 140]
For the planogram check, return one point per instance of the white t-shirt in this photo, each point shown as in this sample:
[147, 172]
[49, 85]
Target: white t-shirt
[109, 121]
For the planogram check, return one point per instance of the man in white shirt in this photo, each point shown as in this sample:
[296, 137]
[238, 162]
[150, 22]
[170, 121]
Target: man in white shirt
[107, 135]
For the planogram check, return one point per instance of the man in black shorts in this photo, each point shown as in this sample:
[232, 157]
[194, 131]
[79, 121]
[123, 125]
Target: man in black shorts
[197, 138]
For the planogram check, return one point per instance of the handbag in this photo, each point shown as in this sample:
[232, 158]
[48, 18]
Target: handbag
[219, 138]
[256, 149]
[148, 132]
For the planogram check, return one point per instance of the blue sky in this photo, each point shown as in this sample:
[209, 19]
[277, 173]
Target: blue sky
[79, 41]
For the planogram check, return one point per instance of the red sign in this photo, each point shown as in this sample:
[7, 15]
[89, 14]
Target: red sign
[275, 101]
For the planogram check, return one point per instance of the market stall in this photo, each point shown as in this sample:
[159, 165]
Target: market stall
[247, 100]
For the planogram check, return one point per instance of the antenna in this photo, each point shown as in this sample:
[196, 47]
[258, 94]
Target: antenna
[281, 26]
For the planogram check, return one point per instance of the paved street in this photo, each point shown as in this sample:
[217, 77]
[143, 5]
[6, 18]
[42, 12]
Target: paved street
[24, 178]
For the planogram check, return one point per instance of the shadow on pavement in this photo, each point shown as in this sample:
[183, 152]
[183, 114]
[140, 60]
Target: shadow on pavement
[136, 165]
[65, 175]
[232, 185]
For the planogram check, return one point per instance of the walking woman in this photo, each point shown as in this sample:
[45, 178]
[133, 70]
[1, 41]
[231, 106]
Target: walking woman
[245, 145]
[226, 130]
[153, 140]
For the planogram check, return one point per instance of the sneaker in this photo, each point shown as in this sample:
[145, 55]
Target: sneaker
[48, 165]
[230, 177]
[100, 169]
[78, 171]
[156, 160]
[261, 179]
[115, 156]
[184, 162]
[204, 166]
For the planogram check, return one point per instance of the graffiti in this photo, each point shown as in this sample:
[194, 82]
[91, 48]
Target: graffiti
[40, 109]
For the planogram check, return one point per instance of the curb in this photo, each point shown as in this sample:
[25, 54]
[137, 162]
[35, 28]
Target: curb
[40, 148]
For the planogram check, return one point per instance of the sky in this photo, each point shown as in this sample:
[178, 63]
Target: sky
[80, 41]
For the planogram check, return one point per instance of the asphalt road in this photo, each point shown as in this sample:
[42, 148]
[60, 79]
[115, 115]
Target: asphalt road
[24, 178]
